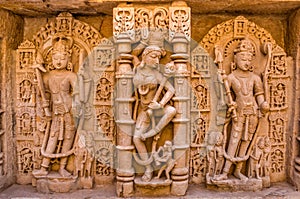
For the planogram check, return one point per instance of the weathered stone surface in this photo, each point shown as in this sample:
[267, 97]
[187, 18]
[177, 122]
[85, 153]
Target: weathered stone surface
[293, 136]
[92, 23]
[11, 32]
[87, 7]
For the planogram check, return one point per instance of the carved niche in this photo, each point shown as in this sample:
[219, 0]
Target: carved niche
[92, 59]
[269, 63]
[140, 31]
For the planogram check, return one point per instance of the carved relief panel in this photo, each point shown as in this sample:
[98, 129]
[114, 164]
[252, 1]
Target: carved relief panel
[91, 64]
[195, 107]
[143, 34]
[225, 43]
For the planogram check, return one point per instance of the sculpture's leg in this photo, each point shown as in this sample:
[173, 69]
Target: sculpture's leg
[170, 166]
[234, 141]
[142, 124]
[50, 148]
[168, 114]
[244, 147]
[67, 144]
[161, 170]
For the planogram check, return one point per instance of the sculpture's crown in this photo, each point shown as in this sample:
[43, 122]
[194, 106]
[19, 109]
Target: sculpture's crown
[245, 45]
[62, 43]
[156, 38]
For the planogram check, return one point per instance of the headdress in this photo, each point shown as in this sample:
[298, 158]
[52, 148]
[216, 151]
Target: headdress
[62, 43]
[245, 45]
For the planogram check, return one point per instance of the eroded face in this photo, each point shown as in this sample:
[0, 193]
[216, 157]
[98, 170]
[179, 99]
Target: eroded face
[243, 60]
[152, 59]
[60, 60]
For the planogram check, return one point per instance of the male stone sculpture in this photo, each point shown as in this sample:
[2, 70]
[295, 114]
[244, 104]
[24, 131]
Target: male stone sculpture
[249, 99]
[60, 83]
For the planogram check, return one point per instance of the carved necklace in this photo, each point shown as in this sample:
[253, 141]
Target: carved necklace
[244, 83]
[245, 89]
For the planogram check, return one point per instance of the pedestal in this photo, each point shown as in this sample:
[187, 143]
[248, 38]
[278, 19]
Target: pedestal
[53, 182]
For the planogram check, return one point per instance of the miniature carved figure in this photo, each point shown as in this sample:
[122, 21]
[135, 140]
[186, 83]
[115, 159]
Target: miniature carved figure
[61, 85]
[265, 164]
[26, 124]
[80, 156]
[89, 143]
[248, 90]
[219, 153]
[103, 90]
[256, 159]
[166, 157]
[146, 80]
[210, 154]
[26, 91]
[215, 153]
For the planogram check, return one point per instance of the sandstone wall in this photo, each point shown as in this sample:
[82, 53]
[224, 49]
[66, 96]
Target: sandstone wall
[284, 27]
[11, 35]
[293, 49]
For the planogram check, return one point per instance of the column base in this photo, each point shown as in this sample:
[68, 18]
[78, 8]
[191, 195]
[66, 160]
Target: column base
[179, 188]
[156, 187]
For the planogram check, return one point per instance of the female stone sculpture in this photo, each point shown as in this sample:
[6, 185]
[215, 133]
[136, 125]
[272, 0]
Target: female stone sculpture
[148, 82]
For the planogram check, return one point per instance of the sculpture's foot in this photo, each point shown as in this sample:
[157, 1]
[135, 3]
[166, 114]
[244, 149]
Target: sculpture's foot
[223, 176]
[147, 176]
[64, 173]
[41, 172]
[239, 175]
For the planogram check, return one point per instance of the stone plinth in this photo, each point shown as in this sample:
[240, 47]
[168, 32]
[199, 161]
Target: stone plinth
[156, 187]
[53, 182]
[232, 184]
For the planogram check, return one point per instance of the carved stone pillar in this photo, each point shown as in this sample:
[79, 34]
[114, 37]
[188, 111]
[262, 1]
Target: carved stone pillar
[124, 100]
[179, 34]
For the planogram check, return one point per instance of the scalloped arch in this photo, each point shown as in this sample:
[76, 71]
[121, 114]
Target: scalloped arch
[82, 33]
[235, 28]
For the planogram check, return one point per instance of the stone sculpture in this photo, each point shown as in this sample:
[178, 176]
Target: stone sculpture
[256, 159]
[249, 99]
[149, 83]
[165, 155]
[60, 83]
[215, 154]
[135, 105]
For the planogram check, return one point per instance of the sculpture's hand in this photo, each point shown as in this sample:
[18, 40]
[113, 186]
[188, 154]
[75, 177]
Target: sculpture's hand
[39, 67]
[76, 109]
[155, 105]
[143, 137]
[264, 107]
[232, 110]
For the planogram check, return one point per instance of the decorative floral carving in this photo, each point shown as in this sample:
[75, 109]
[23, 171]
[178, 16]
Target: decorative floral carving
[179, 21]
[124, 22]
[25, 158]
[104, 159]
